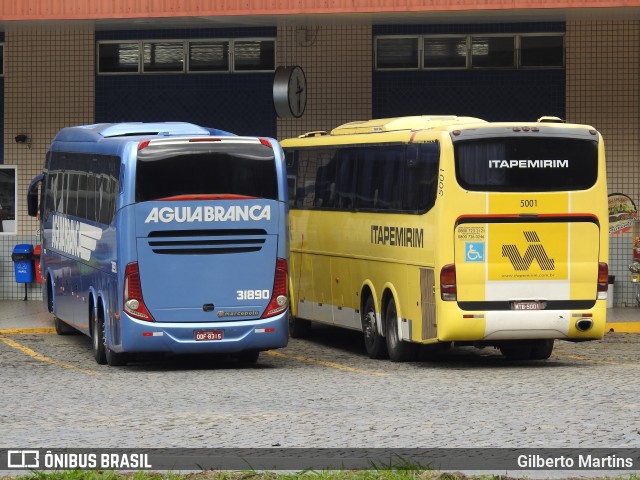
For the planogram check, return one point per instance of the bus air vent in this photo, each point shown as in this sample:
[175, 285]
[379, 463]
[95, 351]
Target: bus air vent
[206, 242]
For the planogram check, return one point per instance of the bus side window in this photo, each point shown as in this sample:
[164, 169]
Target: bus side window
[421, 177]
[366, 189]
[325, 178]
[346, 178]
[391, 182]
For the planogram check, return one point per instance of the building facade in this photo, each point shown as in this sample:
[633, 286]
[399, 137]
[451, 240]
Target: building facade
[212, 63]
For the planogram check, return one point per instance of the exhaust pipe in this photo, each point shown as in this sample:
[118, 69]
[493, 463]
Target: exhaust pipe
[584, 324]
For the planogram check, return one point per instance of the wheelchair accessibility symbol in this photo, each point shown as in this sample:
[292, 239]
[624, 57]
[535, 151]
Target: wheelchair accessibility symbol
[474, 251]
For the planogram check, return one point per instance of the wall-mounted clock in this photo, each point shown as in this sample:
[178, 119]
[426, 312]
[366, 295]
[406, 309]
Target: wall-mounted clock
[289, 92]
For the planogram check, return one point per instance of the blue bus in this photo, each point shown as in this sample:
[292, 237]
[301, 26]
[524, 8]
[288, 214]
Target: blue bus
[164, 237]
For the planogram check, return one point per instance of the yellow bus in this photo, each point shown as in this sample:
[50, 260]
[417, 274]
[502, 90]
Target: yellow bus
[450, 231]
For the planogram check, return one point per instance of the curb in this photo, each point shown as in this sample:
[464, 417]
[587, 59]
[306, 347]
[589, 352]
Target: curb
[623, 327]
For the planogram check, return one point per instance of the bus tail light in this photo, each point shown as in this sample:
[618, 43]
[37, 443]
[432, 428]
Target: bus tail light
[279, 298]
[603, 280]
[133, 302]
[448, 288]
[266, 142]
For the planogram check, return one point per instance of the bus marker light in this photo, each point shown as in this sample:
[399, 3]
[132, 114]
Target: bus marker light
[265, 330]
[133, 302]
[603, 280]
[144, 144]
[152, 334]
[266, 142]
[279, 299]
[448, 287]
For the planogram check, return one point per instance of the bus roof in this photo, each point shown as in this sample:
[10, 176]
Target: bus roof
[421, 122]
[417, 128]
[100, 131]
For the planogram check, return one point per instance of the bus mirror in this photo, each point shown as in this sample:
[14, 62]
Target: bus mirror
[413, 154]
[32, 196]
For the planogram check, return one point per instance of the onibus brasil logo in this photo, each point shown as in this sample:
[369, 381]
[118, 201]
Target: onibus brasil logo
[535, 251]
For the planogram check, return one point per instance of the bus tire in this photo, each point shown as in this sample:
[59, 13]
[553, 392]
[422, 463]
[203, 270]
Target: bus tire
[542, 349]
[399, 350]
[115, 359]
[374, 342]
[299, 328]
[97, 337]
[62, 328]
[49, 295]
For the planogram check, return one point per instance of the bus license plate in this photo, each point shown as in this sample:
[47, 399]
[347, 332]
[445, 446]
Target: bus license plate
[527, 305]
[205, 335]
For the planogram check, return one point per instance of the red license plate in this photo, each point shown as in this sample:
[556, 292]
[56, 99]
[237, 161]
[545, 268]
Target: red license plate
[207, 335]
[526, 305]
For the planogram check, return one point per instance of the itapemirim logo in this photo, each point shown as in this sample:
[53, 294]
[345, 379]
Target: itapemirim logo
[534, 251]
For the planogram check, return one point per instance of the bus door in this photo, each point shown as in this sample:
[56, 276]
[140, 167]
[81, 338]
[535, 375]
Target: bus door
[209, 230]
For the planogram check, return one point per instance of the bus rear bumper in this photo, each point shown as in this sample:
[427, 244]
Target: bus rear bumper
[500, 325]
[180, 338]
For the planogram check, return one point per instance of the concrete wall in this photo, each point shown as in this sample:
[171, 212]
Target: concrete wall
[48, 84]
[603, 90]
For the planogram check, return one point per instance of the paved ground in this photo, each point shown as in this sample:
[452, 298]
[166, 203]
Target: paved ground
[318, 392]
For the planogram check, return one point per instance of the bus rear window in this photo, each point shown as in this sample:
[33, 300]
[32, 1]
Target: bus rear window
[204, 168]
[518, 164]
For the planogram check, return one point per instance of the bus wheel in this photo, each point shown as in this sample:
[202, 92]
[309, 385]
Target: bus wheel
[399, 350]
[542, 349]
[97, 337]
[299, 328]
[62, 328]
[373, 341]
[115, 359]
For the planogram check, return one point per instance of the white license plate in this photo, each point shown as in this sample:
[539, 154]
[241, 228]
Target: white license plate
[208, 335]
[526, 305]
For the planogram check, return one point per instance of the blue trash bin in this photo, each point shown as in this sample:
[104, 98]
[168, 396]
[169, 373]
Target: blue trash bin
[22, 262]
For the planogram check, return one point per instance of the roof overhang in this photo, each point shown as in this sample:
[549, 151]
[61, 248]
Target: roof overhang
[144, 14]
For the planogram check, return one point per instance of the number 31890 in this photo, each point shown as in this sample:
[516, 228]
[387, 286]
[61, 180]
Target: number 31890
[252, 295]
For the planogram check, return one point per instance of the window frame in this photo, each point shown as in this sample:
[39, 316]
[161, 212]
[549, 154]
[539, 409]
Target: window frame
[186, 44]
[229, 43]
[105, 42]
[514, 54]
[467, 47]
[11, 195]
[419, 53]
[162, 72]
[232, 53]
[536, 67]
[469, 51]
